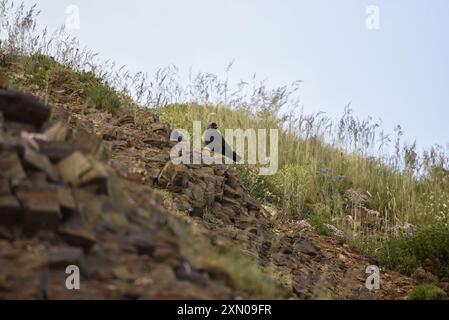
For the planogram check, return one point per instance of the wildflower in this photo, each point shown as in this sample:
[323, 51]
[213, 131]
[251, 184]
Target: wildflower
[325, 171]
[408, 234]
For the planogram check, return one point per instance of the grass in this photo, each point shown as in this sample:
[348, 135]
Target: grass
[46, 73]
[402, 213]
[427, 248]
[317, 172]
[428, 291]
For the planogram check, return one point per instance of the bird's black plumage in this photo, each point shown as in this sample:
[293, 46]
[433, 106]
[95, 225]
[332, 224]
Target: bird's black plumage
[226, 150]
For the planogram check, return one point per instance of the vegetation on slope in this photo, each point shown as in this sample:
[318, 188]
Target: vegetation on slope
[406, 225]
[402, 210]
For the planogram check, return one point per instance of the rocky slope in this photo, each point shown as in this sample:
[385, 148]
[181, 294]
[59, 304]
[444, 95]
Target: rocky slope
[80, 186]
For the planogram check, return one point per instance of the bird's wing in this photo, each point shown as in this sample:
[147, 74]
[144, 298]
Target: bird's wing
[229, 152]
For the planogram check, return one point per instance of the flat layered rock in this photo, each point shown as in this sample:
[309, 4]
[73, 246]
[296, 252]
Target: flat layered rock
[22, 271]
[57, 132]
[78, 237]
[41, 162]
[12, 168]
[10, 210]
[20, 107]
[79, 170]
[62, 257]
[55, 150]
[42, 209]
[5, 188]
[66, 200]
[174, 177]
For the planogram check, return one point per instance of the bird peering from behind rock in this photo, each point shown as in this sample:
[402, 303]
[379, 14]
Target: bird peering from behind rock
[226, 150]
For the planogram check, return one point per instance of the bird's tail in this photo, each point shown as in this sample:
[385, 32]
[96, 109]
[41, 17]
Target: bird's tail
[236, 158]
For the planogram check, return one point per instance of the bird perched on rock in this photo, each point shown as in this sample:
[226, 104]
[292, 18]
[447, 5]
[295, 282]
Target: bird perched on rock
[226, 150]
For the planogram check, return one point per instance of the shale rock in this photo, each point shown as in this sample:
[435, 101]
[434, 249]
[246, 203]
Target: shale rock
[19, 107]
[64, 202]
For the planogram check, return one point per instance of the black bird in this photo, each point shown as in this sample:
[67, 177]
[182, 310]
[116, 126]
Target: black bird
[226, 150]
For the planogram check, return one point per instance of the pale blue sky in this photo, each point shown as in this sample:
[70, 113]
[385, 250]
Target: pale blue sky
[399, 73]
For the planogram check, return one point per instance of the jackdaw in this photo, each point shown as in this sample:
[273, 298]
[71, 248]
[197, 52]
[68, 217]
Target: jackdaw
[226, 150]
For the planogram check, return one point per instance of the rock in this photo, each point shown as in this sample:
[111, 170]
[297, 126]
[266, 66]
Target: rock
[37, 179]
[85, 142]
[63, 257]
[422, 276]
[198, 208]
[4, 186]
[143, 244]
[57, 132]
[269, 212]
[304, 246]
[79, 170]
[231, 193]
[226, 218]
[3, 83]
[24, 108]
[120, 145]
[174, 177]
[232, 204]
[127, 119]
[355, 197]
[40, 162]
[14, 173]
[251, 203]
[10, 210]
[78, 237]
[196, 191]
[55, 150]
[232, 179]
[5, 233]
[210, 195]
[97, 176]
[130, 172]
[110, 135]
[445, 285]
[73, 168]
[204, 171]
[66, 201]
[303, 224]
[219, 188]
[156, 140]
[161, 129]
[264, 253]
[224, 214]
[335, 232]
[22, 268]
[17, 128]
[41, 208]
[183, 204]
[220, 169]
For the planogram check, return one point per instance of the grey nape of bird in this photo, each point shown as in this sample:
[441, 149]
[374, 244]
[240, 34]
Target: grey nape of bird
[226, 149]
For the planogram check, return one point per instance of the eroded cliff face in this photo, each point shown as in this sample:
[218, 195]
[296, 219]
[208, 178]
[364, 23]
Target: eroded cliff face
[81, 187]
